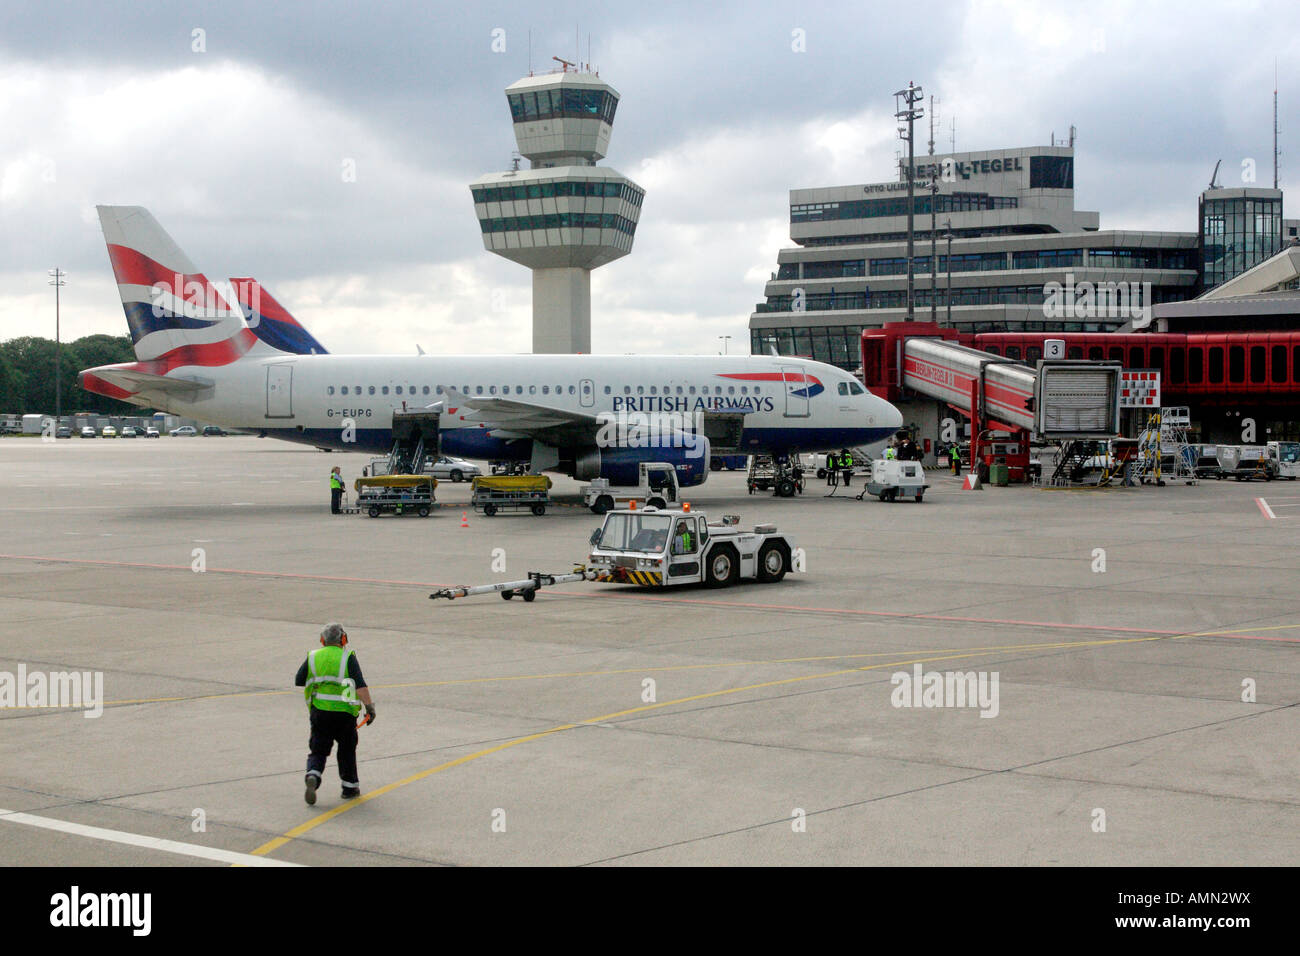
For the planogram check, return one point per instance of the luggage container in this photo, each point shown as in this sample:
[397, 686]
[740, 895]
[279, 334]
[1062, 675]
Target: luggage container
[492, 494]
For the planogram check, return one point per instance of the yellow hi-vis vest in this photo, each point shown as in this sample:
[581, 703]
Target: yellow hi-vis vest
[328, 685]
[335, 481]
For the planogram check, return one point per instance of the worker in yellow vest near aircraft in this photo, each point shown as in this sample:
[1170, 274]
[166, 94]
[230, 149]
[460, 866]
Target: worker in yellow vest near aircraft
[335, 689]
[336, 489]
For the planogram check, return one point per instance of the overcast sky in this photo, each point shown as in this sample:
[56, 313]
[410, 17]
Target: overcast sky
[238, 148]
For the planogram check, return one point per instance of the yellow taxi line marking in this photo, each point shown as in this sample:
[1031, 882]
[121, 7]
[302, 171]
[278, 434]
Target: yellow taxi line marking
[330, 814]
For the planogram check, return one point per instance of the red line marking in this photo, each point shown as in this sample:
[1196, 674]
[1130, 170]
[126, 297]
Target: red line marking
[1265, 510]
[632, 596]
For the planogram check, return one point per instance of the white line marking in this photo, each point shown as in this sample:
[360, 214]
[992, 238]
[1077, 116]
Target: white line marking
[1263, 506]
[136, 839]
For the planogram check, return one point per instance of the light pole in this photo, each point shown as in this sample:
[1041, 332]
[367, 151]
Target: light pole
[725, 340]
[56, 280]
[947, 295]
[906, 109]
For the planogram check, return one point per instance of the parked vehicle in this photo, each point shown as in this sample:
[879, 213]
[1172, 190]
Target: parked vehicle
[185, 431]
[452, 469]
[63, 431]
[151, 432]
[214, 431]
[128, 431]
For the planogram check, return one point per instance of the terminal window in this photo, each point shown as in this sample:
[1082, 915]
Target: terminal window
[1051, 172]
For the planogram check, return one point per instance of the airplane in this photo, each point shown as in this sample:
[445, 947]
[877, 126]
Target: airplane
[228, 353]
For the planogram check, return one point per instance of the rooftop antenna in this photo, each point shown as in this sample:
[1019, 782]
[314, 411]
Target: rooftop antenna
[1215, 175]
[1275, 124]
[952, 136]
[1073, 132]
[530, 52]
[564, 64]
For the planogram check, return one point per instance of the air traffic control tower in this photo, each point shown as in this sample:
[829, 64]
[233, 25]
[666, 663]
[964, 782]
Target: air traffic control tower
[565, 216]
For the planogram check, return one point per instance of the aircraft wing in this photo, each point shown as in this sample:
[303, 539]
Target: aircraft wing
[551, 426]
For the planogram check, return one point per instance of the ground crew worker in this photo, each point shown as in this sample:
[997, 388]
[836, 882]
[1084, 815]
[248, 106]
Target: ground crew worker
[683, 539]
[955, 453]
[890, 452]
[336, 490]
[332, 683]
[832, 470]
[846, 463]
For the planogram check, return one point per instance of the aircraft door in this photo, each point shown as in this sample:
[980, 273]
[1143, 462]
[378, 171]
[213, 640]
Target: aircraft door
[796, 391]
[684, 550]
[279, 391]
[587, 391]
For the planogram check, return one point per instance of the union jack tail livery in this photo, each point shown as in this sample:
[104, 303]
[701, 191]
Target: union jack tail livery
[271, 322]
[176, 315]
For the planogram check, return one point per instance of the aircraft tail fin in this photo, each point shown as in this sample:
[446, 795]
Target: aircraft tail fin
[175, 314]
[271, 322]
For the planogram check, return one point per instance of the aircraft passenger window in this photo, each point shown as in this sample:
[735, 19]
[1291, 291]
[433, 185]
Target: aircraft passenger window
[744, 390]
[505, 389]
[532, 389]
[357, 389]
[492, 389]
[330, 390]
[731, 390]
[640, 389]
[372, 390]
[607, 390]
[478, 389]
[384, 389]
[572, 390]
[546, 390]
[399, 390]
[691, 390]
[652, 390]
[343, 390]
[519, 390]
[679, 390]
[437, 390]
[426, 390]
[627, 389]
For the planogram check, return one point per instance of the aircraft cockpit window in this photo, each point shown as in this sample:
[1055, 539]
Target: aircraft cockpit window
[856, 389]
[843, 388]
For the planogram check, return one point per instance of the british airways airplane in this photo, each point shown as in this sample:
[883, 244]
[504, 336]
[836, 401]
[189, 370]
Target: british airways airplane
[230, 354]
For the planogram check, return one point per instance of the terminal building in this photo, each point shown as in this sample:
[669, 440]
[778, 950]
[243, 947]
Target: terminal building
[1006, 230]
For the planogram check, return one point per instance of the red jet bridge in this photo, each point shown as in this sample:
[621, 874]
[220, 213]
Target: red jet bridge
[1058, 400]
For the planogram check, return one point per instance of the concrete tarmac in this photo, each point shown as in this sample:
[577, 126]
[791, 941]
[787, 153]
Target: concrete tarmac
[1145, 645]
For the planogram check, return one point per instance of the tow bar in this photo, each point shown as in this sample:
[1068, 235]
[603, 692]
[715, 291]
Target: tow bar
[526, 589]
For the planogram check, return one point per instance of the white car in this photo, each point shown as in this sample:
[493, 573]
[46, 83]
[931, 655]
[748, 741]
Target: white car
[88, 432]
[453, 469]
[185, 431]
[151, 432]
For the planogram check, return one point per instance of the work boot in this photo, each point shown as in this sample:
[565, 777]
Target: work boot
[351, 793]
[309, 794]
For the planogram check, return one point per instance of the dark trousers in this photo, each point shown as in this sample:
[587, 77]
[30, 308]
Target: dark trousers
[328, 727]
[336, 498]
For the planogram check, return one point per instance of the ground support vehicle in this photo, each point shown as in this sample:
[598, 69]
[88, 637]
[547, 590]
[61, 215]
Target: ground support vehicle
[1287, 456]
[656, 488]
[511, 493]
[396, 494]
[892, 480]
[657, 548]
[1243, 462]
[782, 475]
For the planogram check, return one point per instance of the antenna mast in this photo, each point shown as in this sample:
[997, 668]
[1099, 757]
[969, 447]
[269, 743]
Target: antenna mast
[1275, 124]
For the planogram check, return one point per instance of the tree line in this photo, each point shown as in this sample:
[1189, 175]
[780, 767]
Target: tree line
[27, 374]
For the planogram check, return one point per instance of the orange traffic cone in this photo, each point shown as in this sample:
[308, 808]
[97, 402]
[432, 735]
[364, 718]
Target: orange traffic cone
[464, 519]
